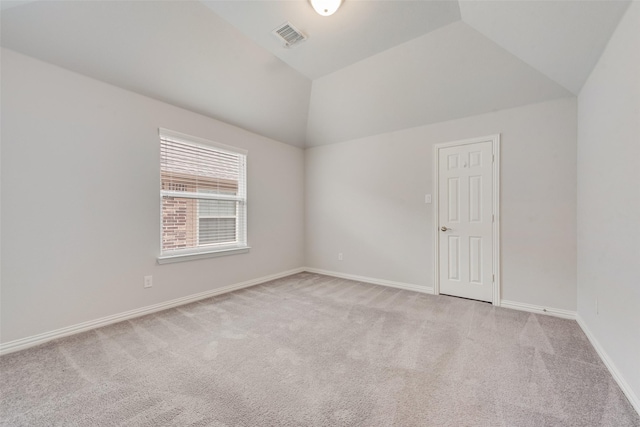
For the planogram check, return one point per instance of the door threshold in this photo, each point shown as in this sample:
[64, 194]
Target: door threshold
[468, 299]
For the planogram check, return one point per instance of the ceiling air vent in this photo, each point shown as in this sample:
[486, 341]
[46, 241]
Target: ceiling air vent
[289, 35]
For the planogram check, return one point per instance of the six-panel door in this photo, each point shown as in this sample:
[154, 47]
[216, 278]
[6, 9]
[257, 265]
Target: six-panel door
[466, 220]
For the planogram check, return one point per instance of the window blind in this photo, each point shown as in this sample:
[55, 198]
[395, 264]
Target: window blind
[203, 192]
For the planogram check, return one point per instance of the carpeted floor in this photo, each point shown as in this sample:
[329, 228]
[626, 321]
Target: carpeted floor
[311, 350]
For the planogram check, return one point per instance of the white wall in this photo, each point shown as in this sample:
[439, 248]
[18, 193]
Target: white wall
[609, 201]
[80, 201]
[365, 198]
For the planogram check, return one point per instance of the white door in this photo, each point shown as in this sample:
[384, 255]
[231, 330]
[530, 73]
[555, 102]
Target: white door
[465, 214]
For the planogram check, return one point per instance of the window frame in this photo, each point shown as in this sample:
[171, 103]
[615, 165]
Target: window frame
[208, 250]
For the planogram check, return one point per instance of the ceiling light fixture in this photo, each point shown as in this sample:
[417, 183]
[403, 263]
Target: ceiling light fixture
[326, 7]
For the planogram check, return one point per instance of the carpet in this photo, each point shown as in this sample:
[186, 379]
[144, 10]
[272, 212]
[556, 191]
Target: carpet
[313, 350]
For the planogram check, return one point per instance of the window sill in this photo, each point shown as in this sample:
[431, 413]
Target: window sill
[167, 259]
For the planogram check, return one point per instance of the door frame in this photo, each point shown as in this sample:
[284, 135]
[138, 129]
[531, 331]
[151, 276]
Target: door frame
[495, 145]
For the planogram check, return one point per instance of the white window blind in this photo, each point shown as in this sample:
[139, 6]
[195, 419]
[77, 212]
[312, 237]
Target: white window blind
[203, 192]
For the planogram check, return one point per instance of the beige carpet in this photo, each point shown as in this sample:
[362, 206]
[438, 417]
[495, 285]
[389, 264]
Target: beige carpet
[311, 350]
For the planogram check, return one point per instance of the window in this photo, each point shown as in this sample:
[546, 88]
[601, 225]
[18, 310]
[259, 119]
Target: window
[203, 192]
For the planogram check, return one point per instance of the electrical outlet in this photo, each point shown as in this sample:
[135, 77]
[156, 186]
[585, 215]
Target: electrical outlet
[148, 281]
[340, 257]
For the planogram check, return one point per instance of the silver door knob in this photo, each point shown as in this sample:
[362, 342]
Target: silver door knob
[443, 228]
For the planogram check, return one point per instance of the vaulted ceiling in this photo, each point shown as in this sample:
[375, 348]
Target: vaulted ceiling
[373, 67]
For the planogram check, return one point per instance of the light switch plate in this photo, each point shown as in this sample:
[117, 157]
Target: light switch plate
[427, 198]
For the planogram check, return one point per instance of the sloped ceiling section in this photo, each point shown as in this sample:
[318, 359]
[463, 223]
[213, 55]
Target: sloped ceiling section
[373, 67]
[562, 39]
[178, 52]
[359, 30]
[450, 73]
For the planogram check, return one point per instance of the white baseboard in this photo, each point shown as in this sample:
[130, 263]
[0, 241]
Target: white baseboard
[615, 373]
[558, 312]
[23, 343]
[34, 340]
[372, 280]
[565, 314]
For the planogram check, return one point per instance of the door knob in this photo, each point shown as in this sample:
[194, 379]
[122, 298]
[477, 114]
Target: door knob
[443, 228]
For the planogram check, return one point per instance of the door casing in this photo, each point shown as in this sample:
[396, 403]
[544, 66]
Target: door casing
[495, 144]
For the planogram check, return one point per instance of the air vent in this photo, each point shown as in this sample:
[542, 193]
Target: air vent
[289, 35]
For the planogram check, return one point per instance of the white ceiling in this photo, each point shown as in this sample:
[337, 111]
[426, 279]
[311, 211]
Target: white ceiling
[374, 66]
[450, 73]
[358, 30]
[177, 52]
[562, 39]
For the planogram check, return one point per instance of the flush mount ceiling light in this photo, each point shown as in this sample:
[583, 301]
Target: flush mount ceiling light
[326, 7]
